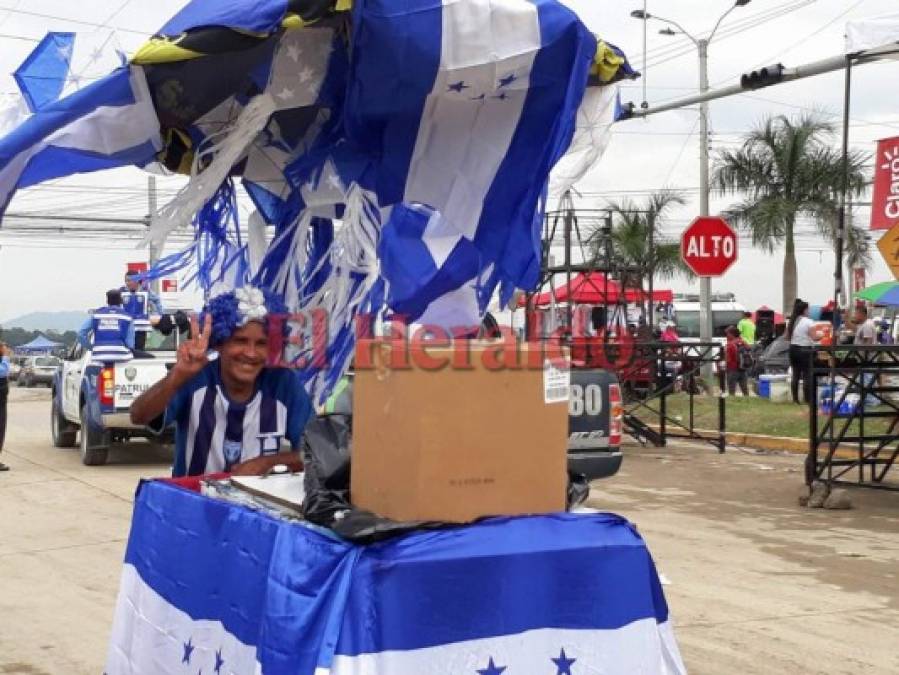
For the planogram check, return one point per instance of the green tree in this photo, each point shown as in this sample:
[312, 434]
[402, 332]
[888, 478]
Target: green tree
[787, 169]
[629, 240]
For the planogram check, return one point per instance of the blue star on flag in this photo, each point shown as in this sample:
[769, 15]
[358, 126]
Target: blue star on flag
[507, 80]
[502, 97]
[458, 87]
[219, 662]
[188, 650]
[563, 663]
[492, 669]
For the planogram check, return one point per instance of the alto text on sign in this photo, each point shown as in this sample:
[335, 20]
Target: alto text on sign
[709, 246]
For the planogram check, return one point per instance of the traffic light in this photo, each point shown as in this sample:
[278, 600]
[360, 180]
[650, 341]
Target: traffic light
[763, 77]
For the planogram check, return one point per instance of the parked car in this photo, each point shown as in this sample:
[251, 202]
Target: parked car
[15, 367]
[38, 370]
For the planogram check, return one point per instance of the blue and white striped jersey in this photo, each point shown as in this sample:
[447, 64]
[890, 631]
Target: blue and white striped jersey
[213, 433]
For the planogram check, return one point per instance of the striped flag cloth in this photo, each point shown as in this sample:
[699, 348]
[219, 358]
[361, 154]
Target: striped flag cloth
[217, 588]
[107, 124]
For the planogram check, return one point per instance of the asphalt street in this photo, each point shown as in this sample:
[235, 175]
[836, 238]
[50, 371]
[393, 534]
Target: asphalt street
[755, 583]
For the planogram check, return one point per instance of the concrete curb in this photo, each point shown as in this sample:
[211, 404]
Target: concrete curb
[796, 446]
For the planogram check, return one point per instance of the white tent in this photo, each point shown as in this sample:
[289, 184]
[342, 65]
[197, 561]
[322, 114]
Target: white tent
[872, 33]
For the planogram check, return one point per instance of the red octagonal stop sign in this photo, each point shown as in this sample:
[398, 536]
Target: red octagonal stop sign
[709, 246]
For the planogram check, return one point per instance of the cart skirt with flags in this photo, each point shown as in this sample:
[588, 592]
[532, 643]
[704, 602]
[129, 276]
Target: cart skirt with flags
[212, 587]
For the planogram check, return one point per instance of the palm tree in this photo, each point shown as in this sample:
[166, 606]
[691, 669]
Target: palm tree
[787, 169]
[629, 240]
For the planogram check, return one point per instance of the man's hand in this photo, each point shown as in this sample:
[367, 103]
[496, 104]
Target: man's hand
[191, 360]
[192, 353]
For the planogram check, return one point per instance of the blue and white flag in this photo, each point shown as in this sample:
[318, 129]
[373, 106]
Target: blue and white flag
[62, 63]
[427, 133]
[42, 75]
[211, 587]
[466, 106]
[110, 123]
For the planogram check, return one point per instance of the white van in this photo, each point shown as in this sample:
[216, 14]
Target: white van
[726, 311]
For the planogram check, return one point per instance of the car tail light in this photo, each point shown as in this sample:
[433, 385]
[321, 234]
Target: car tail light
[106, 386]
[616, 414]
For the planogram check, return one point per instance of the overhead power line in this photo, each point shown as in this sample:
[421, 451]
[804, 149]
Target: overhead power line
[77, 22]
[793, 45]
[684, 47]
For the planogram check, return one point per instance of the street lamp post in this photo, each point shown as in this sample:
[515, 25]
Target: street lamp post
[702, 46]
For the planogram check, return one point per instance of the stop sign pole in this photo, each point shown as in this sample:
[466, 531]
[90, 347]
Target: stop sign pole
[709, 247]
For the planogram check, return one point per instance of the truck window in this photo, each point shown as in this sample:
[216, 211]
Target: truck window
[157, 342]
[688, 322]
[723, 319]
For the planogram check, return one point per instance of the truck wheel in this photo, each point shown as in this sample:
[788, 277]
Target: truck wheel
[94, 447]
[64, 432]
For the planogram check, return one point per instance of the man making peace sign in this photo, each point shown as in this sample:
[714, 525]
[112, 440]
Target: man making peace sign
[232, 413]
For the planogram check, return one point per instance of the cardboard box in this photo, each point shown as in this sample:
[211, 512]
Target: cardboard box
[461, 442]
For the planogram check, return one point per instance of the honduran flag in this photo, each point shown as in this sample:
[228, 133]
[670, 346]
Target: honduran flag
[214, 588]
[468, 106]
[109, 123]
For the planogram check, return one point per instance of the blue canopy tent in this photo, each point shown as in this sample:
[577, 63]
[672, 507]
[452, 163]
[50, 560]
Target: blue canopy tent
[39, 345]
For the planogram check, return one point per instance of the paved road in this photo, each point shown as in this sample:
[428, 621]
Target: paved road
[757, 585]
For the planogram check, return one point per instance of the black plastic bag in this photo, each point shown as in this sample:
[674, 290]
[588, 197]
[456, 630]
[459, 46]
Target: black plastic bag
[326, 456]
[578, 489]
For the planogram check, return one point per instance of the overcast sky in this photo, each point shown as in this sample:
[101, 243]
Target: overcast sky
[662, 151]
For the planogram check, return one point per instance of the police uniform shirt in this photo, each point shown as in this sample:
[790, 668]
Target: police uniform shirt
[213, 433]
[137, 304]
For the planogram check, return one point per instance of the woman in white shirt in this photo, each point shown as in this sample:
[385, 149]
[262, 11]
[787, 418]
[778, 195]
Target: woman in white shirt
[801, 344]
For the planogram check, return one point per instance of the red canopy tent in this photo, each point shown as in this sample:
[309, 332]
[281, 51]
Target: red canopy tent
[595, 289]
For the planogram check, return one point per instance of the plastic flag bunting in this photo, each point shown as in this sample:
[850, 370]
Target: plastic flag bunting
[43, 74]
[397, 153]
[62, 63]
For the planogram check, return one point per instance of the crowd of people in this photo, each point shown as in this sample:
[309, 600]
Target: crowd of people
[787, 347]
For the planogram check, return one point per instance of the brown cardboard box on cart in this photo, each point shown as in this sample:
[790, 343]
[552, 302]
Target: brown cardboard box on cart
[456, 444]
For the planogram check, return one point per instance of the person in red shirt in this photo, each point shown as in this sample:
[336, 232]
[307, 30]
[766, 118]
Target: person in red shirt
[669, 333]
[735, 374]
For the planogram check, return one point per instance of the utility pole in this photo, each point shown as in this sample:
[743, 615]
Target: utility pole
[152, 205]
[702, 45]
[705, 283]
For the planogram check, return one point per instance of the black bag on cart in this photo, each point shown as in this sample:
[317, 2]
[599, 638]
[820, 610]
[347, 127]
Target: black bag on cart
[326, 457]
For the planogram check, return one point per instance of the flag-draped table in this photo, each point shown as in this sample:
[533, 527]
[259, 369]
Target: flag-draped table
[212, 587]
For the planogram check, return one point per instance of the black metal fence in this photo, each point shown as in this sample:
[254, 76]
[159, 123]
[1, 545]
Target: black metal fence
[853, 416]
[659, 370]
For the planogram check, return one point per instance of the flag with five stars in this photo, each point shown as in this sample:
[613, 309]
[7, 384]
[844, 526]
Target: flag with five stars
[211, 587]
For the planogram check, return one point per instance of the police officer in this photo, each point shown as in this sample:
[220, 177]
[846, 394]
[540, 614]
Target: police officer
[139, 302]
[109, 332]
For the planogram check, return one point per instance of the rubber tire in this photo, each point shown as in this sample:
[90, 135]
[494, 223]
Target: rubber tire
[96, 456]
[64, 433]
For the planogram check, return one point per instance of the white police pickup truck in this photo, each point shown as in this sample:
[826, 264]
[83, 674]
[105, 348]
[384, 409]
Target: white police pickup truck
[93, 404]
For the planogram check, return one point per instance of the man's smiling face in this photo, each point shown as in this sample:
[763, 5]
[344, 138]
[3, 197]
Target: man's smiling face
[244, 354]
